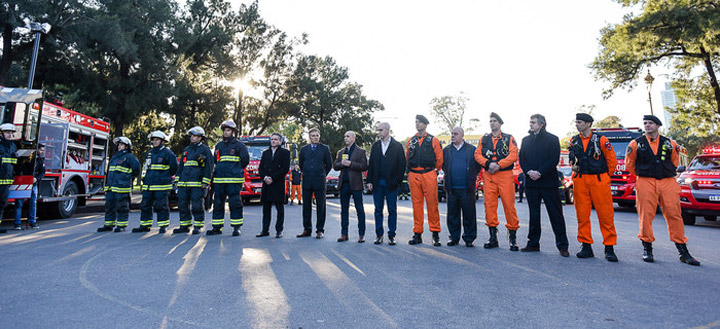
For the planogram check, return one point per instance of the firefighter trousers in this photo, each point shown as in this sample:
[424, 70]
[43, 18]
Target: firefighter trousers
[157, 201]
[502, 184]
[594, 190]
[231, 192]
[188, 196]
[666, 192]
[117, 208]
[295, 192]
[423, 187]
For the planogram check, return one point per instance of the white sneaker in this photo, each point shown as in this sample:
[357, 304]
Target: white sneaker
[34, 226]
[17, 228]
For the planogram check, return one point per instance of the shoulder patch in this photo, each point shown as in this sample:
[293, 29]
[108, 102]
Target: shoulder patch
[629, 150]
[608, 146]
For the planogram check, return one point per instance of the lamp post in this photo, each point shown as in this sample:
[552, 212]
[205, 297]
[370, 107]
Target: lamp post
[648, 82]
[37, 28]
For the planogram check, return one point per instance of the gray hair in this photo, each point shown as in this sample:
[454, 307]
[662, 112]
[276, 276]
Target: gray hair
[540, 119]
[277, 134]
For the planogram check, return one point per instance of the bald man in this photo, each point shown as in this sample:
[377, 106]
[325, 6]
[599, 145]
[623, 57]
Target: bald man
[351, 161]
[461, 171]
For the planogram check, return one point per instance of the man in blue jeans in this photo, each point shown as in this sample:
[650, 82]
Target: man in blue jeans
[38, 174]
[386, 172]
[351, 161]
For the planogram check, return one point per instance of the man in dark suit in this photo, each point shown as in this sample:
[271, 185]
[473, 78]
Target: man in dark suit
[386, 172]
[315, 163]
[539, 156]
[351, 161]
[274, 166]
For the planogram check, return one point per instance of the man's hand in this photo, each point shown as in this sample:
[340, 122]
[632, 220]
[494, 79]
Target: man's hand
[533, 174]
[346, 163]
[493, 167]
[34, 180]
[369, 186]
[268, 180]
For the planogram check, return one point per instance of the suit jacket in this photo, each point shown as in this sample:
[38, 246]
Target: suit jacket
[315, 165]
[277, 168]
[358, 164]
[394, 164]
[540, 152]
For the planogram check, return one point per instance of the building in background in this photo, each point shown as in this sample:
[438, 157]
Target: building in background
[668, 100]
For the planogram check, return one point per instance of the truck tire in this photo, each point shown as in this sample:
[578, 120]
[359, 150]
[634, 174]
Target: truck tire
[688, 219]
[64, 209]
[569, 196]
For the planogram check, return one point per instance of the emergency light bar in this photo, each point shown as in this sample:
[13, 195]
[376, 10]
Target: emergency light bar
[711, 150]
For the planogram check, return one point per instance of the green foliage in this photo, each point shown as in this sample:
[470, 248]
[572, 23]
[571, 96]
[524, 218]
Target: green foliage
[695, 114]
[611, 121]
[450, 111]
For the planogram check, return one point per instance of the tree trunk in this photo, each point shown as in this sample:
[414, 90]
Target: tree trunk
[118, 126]
[713, 79]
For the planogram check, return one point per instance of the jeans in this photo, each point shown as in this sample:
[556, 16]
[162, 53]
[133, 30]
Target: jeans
[381, 194]
[357, 196]
[33, 207]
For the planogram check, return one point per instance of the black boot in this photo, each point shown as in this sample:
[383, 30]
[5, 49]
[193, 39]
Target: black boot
[493, 241]
[119, 229]
[236, 230]
[436, 239]
[685, 255]
[586, 251]
[216, 230]
[610, 254]
[163, 230]
[512, 239]
[197, 230]
[105, 229]
[416, 239]
[141, 229]
[647, 254]
[182, 229]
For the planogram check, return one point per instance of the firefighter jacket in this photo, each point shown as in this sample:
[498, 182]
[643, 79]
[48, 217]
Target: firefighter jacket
[124, 166]
[591, 160]
[196, 166]
[9, 159]
[231, 157]
[160, 165]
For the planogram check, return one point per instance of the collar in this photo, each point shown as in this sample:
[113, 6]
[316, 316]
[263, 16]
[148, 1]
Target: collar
[498, 136]
[459, 147]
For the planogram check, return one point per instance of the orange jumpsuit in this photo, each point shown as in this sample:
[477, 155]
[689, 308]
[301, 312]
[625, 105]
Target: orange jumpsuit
[501, 183]
[423, 186]
[594, 190]
[650, 191]
[296, 192]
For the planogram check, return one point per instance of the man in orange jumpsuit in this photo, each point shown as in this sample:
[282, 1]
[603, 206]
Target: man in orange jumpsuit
[497, 153]
[653, 159]
[424, 158]
[593, 159]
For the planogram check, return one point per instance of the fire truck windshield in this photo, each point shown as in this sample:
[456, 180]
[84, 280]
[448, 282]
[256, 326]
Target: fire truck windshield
[705, 163]
[256, 151]
[620, 148]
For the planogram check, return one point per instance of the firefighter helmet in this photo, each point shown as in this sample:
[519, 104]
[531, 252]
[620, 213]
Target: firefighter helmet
[123, 140]
[158, 134]
[229, 124]
[8, 127]
[197, 131]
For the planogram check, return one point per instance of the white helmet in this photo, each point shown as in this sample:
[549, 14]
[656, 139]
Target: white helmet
[197, 131]
[158, 134]
[123, 140]
[228, 124]
[8, 127]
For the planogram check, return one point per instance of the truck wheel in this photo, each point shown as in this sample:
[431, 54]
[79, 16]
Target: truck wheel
[711, 218]
[65, 209]
[569, 196]
[688, 219]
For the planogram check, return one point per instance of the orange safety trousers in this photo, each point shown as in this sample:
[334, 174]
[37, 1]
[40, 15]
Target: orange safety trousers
[424, 187]
[295, 192]
[590, 191]
[666, 191]
[501, 183]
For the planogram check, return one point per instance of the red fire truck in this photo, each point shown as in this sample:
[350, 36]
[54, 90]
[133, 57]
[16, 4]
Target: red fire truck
[75, 151]
[253, 182]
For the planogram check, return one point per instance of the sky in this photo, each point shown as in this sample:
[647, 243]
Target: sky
[514, 57]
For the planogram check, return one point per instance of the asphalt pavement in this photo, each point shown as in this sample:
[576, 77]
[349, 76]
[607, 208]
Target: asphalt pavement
[66, 275]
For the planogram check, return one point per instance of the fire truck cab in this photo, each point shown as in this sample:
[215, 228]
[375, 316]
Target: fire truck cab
[700, 187]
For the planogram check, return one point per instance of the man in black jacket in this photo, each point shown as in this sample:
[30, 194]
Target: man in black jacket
[315, 163]
[461, 171]
[274, 166]
[386, 171]
[539, 156]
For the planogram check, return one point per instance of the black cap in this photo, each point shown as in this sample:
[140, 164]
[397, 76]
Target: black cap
[653, 119]
[584, 117]
[422, 119]
[497, 117]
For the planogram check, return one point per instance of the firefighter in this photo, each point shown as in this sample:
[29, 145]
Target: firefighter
[593, 160]
[8, 153]
[123, 167]
[653, 158]
[160, 165]
[497, 153]
[424, 158]
[193, 181]
[231, 158]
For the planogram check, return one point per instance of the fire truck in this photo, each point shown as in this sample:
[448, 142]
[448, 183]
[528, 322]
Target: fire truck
[253, 182]
[75, 151]
[700, 187]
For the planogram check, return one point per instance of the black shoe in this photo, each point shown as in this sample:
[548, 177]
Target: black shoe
[236, 231]
[119, 229]
[586, 251]
[100, 229]
[512, 239]
[217, 230]
[416, 239]
[278, 235]
[17, 228]
[378, 240]
[182, 229]
[2, 230]
[647, 252]
[299, 203]
[493, 241]
[564, 252]
[530, 248]
[452, 243]
[196, 230]
[262, 234]
[685, 255]
[469, 244]
[392, 241]
[436, 239]
[141, 229]
[162, 230]
[610, 254]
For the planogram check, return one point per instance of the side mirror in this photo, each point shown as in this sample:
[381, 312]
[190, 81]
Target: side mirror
[681, 169]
